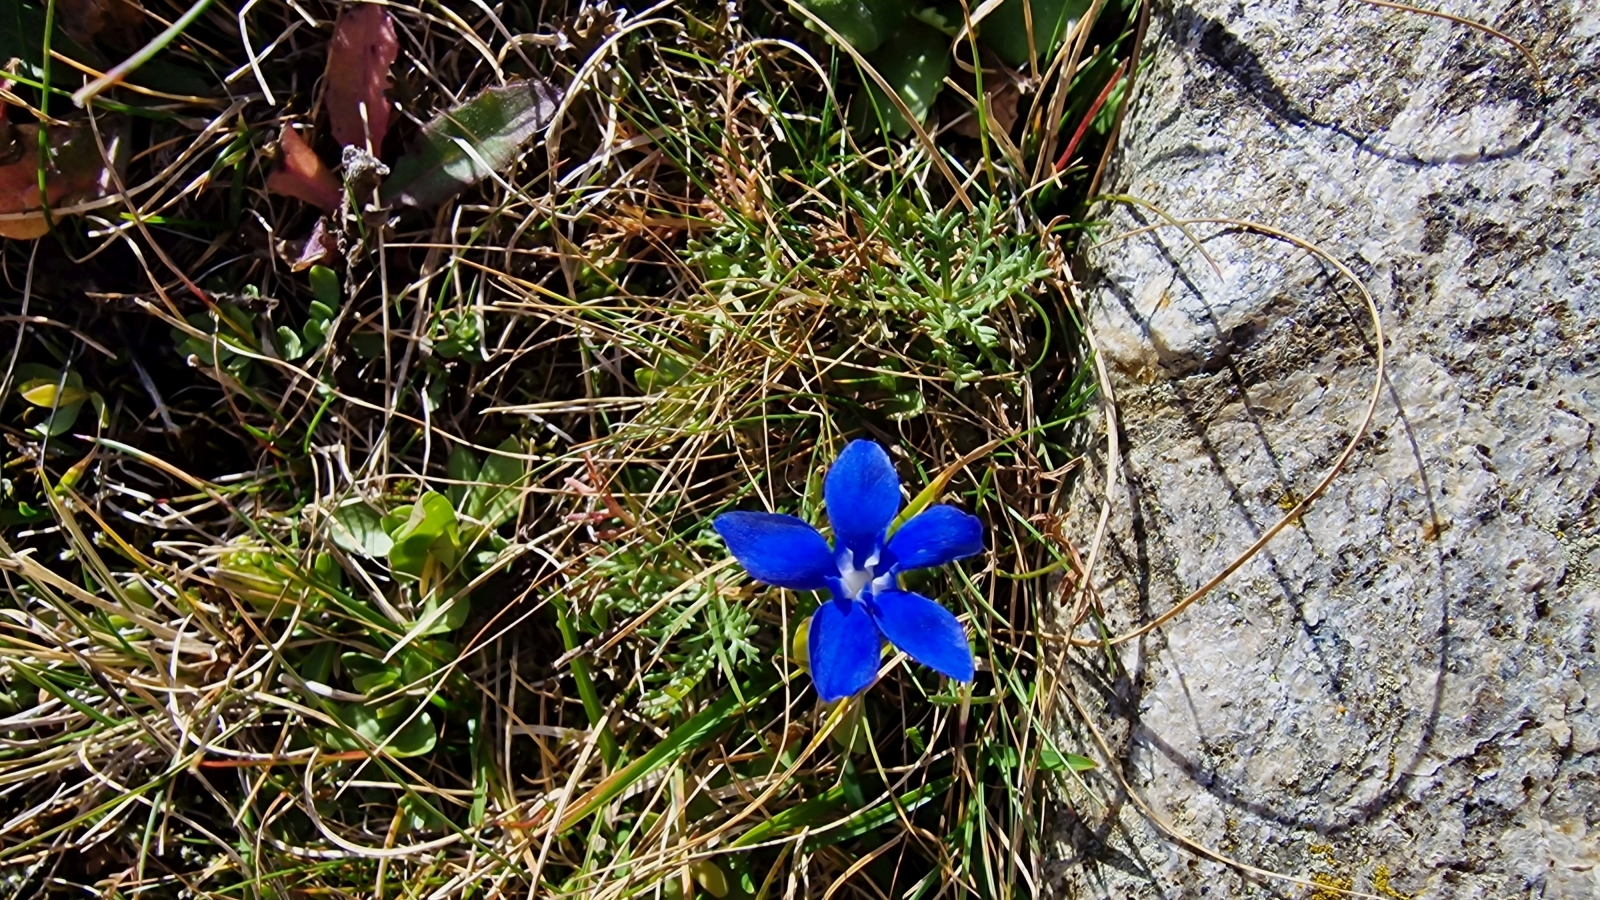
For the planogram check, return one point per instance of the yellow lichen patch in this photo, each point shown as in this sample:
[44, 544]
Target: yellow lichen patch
[1330, 887]
[1380, 883]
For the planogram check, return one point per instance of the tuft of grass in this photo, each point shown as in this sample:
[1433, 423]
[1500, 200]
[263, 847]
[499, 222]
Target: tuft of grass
[394, 577]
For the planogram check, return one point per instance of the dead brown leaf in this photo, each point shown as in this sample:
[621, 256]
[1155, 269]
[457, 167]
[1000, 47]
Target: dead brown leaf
[321, 248]
[1003, 98]
[76, 172]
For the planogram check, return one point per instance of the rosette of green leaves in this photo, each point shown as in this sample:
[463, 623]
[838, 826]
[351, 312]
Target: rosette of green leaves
[435, 547]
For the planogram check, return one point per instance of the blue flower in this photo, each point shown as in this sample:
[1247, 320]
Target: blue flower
[860, 570]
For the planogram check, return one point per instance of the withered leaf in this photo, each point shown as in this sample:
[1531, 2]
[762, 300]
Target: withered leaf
[1003, 98]
[77, 172]
[363, 49]
[300, 173]
[320, 248]
[464, 145]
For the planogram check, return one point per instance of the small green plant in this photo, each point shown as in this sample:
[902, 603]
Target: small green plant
[227, 338]
[433, 550]
[909, 43]
[320, 315]
[58, 394]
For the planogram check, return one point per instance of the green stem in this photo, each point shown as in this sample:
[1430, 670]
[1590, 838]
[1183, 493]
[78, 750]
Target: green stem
[44, 110]
[157, 44]
[580, 674]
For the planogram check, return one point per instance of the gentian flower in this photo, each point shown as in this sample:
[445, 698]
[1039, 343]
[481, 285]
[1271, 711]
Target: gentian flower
[860, 570]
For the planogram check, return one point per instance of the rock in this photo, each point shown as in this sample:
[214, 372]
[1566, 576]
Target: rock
[1400, 693]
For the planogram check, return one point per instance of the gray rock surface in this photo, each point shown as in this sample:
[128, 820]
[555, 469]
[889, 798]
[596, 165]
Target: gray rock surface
[1401, 695]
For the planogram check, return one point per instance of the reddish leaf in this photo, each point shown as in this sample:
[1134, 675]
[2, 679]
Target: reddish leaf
[19, 192]
[84, 20]
[359, 56]
[76, 172]
[301, 174]
[320, 248]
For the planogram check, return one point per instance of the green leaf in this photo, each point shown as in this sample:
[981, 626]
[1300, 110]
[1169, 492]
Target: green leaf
[807, 812]
[1053, 760]
[325, 287]
[289, 345]
[709, 876]
[866, 24]
[316, 331]
[358, 528]
[850, 780]
[419, 816]
[666, 373]
[456, 333]
[486, 548]
[394, 518]
[860, 823]
[1005, 30]
[850, 736]
[325, 569]
[462, 467]
[355, 664]
[453, 616]
[49, 393]
[420, 660]
[371, 683]
[498, 497]
[48, 388]
[358, 718]
[318, 664]
[414, 739]
[61, 420]
[914, 62]
[430, 529]
[368, 675]
[234, 329]
[494, 125]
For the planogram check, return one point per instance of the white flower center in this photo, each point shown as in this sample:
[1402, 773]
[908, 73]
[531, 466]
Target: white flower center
[854, 579]
[864, 580]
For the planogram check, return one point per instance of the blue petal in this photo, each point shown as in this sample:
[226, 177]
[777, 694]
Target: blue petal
[778, 550]
[934, 537]
[844, 647]
[926, 631]
[863, 494]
